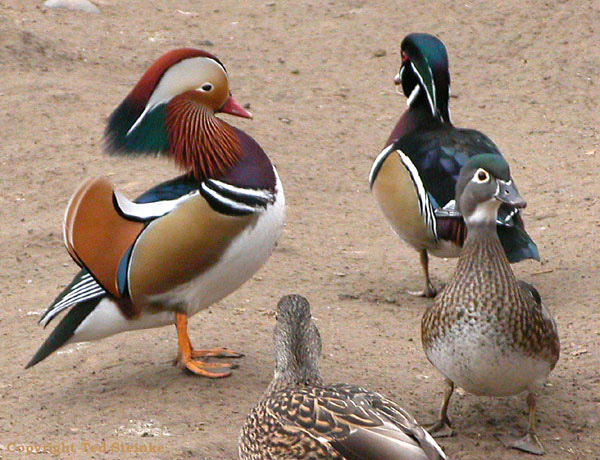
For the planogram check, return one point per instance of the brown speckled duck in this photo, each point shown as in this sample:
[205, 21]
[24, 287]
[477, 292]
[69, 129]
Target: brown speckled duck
[301, 418]
[488, 332]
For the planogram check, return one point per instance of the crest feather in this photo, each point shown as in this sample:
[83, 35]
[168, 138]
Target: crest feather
[126, 114]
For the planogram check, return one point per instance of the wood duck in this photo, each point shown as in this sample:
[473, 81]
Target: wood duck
[487, 332]
[299, 417]
[184, 244]
[414, 177]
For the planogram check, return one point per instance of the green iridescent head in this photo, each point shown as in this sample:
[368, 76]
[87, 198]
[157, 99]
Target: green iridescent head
[424, 74]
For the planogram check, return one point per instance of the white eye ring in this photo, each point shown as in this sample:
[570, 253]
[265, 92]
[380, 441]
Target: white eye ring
[206, 87]
[481, 176]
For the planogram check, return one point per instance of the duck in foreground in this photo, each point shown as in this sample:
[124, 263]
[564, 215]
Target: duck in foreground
[302, 418]
[413, 179]
[487, 332]
[183, 244]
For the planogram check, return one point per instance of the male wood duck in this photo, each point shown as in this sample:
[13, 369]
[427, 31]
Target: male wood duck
[184, 244]
[487, 332]
[299, 417]
[414, 177]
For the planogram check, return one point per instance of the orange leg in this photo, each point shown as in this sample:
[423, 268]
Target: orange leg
[186, 354]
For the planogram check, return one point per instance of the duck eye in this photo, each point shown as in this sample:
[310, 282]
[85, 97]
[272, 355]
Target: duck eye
[481, 176]
[206, 87]
[404, 56]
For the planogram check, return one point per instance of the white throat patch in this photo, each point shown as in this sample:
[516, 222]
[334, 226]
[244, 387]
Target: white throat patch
[485, 212]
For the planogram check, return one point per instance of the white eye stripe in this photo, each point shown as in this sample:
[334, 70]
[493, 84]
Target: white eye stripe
[481, 176]
[430, 97]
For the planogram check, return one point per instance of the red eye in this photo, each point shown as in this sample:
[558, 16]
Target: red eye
[404, 56]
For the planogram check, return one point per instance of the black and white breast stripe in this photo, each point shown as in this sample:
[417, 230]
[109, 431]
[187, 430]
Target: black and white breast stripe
[235, 201]
[425, 206]
[83, 288]
[146, 211]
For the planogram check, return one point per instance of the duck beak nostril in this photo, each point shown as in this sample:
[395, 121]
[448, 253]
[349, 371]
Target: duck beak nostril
[507, 193]
[233, 107]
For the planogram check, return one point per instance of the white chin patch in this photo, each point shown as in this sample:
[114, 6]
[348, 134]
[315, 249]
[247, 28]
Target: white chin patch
[413, 95]
[485, 212]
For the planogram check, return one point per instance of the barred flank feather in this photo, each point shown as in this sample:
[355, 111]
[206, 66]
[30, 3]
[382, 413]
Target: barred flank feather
[65, 329]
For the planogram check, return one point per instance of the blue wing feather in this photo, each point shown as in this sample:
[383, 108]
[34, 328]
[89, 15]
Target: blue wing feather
[438, 155]
[170, 190]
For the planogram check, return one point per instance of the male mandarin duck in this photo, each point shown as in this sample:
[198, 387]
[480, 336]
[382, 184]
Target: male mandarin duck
[183, 244]
[414, 177]
[488, 332]
[302, 418]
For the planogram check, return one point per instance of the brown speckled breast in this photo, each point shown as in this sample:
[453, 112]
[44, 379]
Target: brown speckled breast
[484, 290]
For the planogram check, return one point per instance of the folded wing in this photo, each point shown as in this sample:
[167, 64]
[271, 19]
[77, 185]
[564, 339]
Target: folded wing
[356, 423]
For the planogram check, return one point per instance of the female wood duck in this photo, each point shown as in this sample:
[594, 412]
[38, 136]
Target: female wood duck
[488, 332]
[414, 177]
[183, 244]
[301, 418]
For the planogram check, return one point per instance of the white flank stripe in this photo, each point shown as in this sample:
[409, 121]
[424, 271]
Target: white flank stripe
[261, 194]
[424, 204]
[146, 211]
[380, 159]
[226, 201]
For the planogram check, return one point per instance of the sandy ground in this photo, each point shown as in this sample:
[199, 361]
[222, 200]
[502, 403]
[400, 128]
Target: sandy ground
[318, 76]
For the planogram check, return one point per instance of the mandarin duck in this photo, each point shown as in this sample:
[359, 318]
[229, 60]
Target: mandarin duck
[487, 332]
[414, 177]
[300, 417]
[184, 244]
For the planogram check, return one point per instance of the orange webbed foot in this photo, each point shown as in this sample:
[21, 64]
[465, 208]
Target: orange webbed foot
[192, 360]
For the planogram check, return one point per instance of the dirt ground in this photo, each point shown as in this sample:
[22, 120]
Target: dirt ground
[318, 76]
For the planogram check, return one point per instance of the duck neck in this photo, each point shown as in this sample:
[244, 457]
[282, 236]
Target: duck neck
[295, 375]
[483, 262]
[200, 143]
[417, 116]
